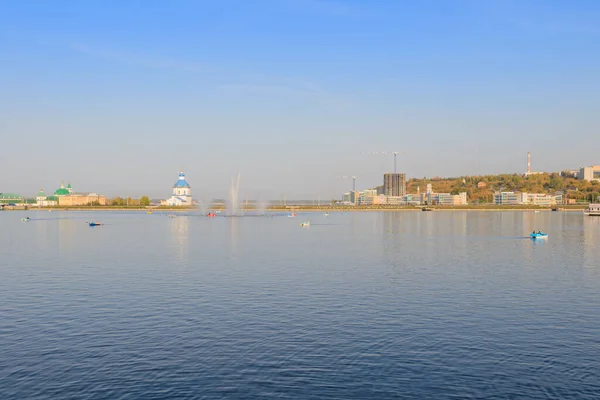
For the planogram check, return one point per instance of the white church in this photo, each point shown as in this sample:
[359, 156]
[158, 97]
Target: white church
[182, 195]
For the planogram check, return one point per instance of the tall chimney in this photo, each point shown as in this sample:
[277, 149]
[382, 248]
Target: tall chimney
[528, 162]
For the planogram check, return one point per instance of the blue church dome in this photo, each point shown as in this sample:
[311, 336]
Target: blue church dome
[181, 182]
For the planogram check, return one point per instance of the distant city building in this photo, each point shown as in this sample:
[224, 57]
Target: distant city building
[45, 201]
[354, 195]
[65, 196]
[378, 199]
[507, 198]
[540, 199]
[394, 184]
[63, 191]
[570, 173]
[11, 198]
[444, 199]
[412, 199]
[182, 195]
[368, 197]
[591, 173]
[82, 199]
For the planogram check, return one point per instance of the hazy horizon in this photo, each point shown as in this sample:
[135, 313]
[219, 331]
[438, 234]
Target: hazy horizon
[118, 97]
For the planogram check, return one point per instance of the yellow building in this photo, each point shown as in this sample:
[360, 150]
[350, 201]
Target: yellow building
[81, 199]
[66, 197]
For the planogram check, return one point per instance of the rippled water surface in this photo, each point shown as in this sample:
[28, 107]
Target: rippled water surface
[363, 305]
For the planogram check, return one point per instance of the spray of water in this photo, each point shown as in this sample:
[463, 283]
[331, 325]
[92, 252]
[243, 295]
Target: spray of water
[261, 207]
[233, 204]
[202, 205]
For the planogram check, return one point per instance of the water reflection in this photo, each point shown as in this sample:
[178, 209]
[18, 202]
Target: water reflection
[339, 311]
[65, 235]
[591, 232]
[180, 237]
[233, 236]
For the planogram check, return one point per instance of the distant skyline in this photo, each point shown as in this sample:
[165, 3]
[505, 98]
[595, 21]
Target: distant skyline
[118, 97]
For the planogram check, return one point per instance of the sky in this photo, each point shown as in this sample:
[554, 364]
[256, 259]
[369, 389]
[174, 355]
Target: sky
[294, 95]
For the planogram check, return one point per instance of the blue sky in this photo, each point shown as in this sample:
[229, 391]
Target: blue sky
[118, 96]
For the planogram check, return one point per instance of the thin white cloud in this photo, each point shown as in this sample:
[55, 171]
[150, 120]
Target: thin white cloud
[295, 89]
[268, 86]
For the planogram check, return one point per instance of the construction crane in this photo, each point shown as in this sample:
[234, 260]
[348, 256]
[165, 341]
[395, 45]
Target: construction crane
[349, 177]
[387, 153]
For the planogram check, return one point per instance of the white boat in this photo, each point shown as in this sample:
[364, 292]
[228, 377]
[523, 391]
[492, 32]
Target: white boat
[306, 223]
[592, 210]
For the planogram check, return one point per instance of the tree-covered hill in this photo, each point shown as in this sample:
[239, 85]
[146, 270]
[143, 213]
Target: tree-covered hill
[488, 184]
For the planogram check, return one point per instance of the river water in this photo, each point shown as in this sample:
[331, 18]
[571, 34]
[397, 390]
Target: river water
[439, 305]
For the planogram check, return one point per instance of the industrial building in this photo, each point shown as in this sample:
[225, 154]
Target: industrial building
[529, 171]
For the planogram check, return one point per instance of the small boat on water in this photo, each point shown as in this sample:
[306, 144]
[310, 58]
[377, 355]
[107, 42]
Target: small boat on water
[149, 212]
[305, 223]
[95, 223]
[26, 219]
[538, 235]
[211, 215]
[593, 210]
[292, 215]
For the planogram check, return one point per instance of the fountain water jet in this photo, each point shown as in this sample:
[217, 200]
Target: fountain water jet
[233, 204]
[261, 207]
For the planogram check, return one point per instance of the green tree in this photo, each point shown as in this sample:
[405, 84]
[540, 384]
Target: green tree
[144, 201]
[117, 201]
[555, 182]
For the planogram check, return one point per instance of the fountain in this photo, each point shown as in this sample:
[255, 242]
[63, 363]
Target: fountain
[233, 204]
[261, 207]
[202, 206]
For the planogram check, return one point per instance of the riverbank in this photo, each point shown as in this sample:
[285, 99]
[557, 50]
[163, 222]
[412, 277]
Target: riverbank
[333, 209]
